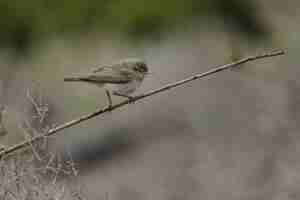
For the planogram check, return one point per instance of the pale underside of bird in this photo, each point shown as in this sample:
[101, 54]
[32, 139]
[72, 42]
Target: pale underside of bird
[120, 79]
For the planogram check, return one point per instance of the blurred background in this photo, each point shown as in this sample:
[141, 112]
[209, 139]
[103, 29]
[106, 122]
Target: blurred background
[231, 136]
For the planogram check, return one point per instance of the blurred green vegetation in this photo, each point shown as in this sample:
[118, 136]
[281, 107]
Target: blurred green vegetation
[24, 23]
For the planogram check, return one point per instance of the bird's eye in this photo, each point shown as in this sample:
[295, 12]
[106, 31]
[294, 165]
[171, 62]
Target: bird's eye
[136, 69]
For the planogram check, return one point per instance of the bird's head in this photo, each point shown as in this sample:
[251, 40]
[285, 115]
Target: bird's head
[138, 66]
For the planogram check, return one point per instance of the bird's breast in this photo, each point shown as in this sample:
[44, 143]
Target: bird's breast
[126, 88]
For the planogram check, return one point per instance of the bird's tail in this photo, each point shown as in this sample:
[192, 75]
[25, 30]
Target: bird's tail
[72, 79]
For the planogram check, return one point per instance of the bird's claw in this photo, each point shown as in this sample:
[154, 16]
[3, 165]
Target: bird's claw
[109, 107]
[131, 99]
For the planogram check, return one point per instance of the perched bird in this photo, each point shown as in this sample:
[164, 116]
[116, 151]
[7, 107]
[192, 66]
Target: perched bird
[120, 79]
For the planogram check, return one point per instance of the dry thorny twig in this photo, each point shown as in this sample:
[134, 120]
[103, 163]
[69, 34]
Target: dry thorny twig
[35, 176]
[13, 149]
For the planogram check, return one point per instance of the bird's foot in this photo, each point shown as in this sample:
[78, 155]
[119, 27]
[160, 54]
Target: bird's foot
[130, 98]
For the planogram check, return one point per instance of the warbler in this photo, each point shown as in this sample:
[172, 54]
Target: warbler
[120, 79]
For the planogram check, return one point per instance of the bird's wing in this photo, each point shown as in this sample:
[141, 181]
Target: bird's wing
[108, 75]
[106, 67]
[101, 68]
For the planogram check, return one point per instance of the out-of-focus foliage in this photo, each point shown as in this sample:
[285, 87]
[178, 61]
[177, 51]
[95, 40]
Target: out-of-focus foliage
[24, 22]
[242, 17]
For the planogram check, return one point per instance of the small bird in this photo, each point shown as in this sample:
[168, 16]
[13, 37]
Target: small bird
[120, 79]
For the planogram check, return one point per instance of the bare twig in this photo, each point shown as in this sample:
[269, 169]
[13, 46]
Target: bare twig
[11, 150]
[40, 107]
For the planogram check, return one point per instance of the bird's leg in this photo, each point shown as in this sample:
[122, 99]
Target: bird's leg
[109, 99]
[130, 98]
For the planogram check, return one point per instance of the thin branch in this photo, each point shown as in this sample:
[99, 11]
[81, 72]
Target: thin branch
[12, 149]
